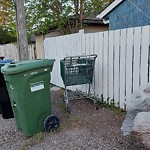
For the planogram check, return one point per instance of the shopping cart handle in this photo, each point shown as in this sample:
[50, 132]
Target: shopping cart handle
[78, 56]
[78, 65]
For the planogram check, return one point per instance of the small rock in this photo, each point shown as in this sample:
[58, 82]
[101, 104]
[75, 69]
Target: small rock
[140, 134]
[142, 122]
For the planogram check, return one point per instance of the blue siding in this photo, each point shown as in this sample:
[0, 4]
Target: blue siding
[126, 15]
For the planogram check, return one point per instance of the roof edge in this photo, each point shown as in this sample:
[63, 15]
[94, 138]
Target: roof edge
[109, 8]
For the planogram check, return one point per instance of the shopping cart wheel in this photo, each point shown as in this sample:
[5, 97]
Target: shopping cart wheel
[68, 109]
[51, 123]
[96, 106]
[64, 98]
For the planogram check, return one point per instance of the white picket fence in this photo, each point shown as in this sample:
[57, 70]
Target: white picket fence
[10, 51]
[122, 64]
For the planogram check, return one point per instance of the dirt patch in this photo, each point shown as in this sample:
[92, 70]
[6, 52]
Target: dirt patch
[85, 129]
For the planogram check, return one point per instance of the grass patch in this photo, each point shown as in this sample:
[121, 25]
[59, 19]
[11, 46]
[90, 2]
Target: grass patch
[110, 104]
[72, 116]
[117, 111]
[62, 107]
[35, 139]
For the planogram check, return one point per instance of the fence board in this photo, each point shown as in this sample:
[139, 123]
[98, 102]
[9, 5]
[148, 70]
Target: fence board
[92, 49]
[144, 54]
[129, 59]
[100, 58]
[122, 67]
[50, 56]
[105, 65]
[111, 65]
[96, 49]
[87, 50]
[83, 39]
[136, 58]
[45, 48]
[58, 53]
[116, 66]
[87, 44]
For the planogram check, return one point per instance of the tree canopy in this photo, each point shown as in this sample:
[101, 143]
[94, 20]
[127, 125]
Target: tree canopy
[7, 22]
[44, 14]
[41, 15]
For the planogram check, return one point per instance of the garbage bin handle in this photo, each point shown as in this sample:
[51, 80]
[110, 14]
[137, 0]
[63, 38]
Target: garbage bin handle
[13, 65]
[1, 57]
[14, 104]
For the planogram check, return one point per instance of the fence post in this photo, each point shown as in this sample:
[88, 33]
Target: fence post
[81, 32]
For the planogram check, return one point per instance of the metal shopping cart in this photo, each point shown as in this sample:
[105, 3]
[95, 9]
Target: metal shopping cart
[77, 70]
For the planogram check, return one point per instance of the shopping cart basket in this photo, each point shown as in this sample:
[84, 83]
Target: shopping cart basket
[77, 70]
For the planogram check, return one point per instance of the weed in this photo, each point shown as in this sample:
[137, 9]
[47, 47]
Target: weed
[117, 110]
[64, 109]
[110, 103]
[35, 139]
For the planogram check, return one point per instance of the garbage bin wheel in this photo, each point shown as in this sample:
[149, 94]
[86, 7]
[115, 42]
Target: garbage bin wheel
[51, 123]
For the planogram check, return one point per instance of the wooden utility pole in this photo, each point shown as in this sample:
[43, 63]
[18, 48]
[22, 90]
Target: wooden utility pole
[110, 1]
[81, 11]
[76, 4]
[21, 30]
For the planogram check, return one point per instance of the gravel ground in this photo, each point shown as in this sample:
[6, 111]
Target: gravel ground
[84, 129]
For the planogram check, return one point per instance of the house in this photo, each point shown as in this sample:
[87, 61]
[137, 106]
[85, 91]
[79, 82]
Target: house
[126, 13]
[90, 25]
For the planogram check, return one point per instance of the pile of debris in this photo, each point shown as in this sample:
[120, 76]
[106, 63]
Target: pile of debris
[136, 124]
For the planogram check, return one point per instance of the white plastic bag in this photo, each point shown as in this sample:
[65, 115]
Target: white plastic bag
[142, 122]
[139, 101]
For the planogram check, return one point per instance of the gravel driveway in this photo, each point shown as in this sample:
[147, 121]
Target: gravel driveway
[84, 129]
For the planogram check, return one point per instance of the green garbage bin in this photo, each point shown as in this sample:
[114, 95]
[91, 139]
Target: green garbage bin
[28, 84]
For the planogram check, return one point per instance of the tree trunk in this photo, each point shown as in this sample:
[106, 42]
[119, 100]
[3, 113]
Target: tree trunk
[21, 30]
[58, 12]
[81, 11]
[76, 4]
[110, 1]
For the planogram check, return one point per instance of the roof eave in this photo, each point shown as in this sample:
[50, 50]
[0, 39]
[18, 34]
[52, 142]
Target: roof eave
[109, 8]
[93, 21]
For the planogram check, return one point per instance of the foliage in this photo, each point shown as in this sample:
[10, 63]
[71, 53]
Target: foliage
[6, 36]
[94, 7]
[7, 22]
[42, 15]
[7, 16]
[35, 139]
